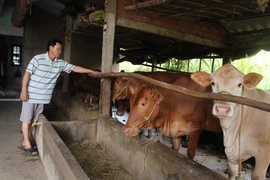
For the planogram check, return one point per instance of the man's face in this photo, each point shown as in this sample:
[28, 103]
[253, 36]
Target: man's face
[56, 50]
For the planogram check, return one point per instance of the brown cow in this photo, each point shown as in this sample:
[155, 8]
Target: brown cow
[246, 129]
[121, 91]
[175, 114]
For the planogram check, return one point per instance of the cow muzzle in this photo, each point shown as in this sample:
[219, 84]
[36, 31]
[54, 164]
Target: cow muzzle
[134, 131]
[222, 110]
[120, 113]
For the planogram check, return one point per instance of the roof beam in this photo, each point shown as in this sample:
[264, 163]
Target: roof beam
[146, 4]
[162, 31]
[234, 5]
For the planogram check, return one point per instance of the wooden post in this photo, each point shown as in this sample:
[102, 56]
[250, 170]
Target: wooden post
[107, 55]
[226, 60]
[213, 64]
[188, 65]
[200, 66]
[154, 63]
[178, 63]
[67, 51]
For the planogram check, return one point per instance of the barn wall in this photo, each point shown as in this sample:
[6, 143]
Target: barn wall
[42, 26]
[38, 29]
[86, 50]
[74, 110]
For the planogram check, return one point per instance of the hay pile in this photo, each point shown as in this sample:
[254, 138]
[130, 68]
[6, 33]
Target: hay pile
[96, 163]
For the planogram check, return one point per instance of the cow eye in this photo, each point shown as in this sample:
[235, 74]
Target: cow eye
[213, 83]
[239, 85]
[143, 104]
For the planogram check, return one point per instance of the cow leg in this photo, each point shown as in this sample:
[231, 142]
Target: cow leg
[232, 170]
[192, 143]
[176, 143]
[261, 165]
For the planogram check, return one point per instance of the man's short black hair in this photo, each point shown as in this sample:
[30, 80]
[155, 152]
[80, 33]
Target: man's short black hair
[52, 42]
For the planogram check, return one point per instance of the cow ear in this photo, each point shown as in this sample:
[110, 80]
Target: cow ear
[202, 78]
[125, 78]
[160, 98]
[132, 89]
[252, 79]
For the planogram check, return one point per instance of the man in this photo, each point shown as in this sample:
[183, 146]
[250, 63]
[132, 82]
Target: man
[37, 86]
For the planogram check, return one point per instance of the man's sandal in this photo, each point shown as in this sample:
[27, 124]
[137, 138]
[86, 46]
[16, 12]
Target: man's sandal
[34, 145]
[31, 152]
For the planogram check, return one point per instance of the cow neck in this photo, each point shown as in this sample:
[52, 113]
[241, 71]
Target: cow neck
[232, 132]
[230, 127]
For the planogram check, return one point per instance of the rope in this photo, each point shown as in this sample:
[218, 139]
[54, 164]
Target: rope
[124, 88]
[36, 123]
[145, 119]
[240, 129]
[154, 138]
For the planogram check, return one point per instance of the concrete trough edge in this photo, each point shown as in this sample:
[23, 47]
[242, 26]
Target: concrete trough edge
[58, 161]
[151, 160]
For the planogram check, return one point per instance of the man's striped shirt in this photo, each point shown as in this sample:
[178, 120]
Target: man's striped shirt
[44, 74]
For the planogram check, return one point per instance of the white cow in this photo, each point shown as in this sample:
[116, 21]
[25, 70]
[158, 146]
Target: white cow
[246, 129]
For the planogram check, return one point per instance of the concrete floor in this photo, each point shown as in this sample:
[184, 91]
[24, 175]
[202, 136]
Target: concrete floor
[14, 163]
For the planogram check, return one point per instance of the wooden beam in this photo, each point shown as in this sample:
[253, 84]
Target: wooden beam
[107, 55]
[67, 51]
[128, 23]
[146, 4]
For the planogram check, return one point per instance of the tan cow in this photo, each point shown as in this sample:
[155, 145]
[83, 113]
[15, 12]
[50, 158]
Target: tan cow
[246, 130]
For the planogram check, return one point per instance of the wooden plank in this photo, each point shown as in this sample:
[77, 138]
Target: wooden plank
[162, 31]
[107, 55]
[67, 50]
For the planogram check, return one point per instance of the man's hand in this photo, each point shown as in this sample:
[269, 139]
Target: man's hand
[94, 74]
[24, 96]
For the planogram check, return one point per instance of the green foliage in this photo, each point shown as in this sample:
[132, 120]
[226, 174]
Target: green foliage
[259, 63]
[128, 67]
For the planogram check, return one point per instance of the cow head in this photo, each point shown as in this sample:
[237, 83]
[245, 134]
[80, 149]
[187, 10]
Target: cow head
[144, 107]
[122, 106]
[120, 88]
[228, 80]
